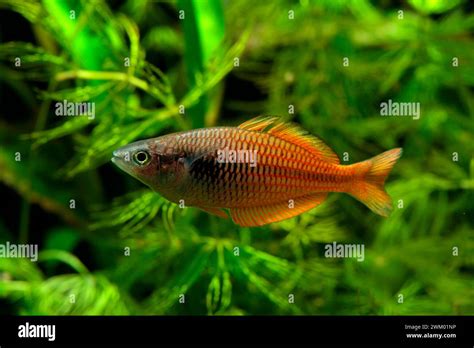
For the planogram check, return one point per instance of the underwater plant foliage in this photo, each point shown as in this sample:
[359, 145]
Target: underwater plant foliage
[110, 246]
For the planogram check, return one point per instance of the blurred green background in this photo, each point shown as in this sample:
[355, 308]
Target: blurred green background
[111, 246]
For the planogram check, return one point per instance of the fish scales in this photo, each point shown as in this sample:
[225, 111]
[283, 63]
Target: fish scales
[289, 173]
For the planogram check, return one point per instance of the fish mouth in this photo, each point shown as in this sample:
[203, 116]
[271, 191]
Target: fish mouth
[118, 160]
[115, 157]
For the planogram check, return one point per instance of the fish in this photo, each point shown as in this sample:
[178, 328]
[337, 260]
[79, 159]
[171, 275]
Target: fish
[263, 171]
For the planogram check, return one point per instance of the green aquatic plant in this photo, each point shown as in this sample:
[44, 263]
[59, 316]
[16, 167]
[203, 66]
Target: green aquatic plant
[111, 246]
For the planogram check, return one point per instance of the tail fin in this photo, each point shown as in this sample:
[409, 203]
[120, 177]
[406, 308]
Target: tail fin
[370, 189]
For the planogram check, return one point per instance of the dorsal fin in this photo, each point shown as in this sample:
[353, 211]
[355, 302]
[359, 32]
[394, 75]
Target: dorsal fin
[259, 123]
[291, 133]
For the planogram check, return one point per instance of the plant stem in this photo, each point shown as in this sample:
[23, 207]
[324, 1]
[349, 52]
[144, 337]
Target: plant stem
[117, 76]
[103, 75]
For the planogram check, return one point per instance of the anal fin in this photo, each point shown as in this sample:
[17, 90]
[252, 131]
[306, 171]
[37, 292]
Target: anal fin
[215, 211]
[265, 214]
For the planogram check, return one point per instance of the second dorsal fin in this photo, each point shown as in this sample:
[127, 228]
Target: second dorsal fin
[293, 134]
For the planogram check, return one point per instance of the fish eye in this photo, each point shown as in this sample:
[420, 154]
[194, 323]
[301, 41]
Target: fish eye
[141, 157]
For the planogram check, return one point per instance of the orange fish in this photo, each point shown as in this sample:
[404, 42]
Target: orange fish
[262, 171]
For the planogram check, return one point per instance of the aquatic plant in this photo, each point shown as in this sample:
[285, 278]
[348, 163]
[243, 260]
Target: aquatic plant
[110, 246]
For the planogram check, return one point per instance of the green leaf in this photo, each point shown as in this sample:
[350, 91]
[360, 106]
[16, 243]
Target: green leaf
[434, 6]
[192, 266]
[204, 30]
[64, 238]
[31, 177]
[64, 257]
[75, 294]
[131, 212]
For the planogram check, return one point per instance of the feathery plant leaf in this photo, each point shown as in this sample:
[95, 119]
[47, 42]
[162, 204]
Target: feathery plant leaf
[175, 289]
[75, 294]
[132, 212]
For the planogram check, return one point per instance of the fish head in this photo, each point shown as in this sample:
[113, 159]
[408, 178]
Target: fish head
[155, 162]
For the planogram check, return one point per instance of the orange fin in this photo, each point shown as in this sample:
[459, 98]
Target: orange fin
[215, 211]
[265, 214]
[293, 134]
[258, 123]
[370, 190]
